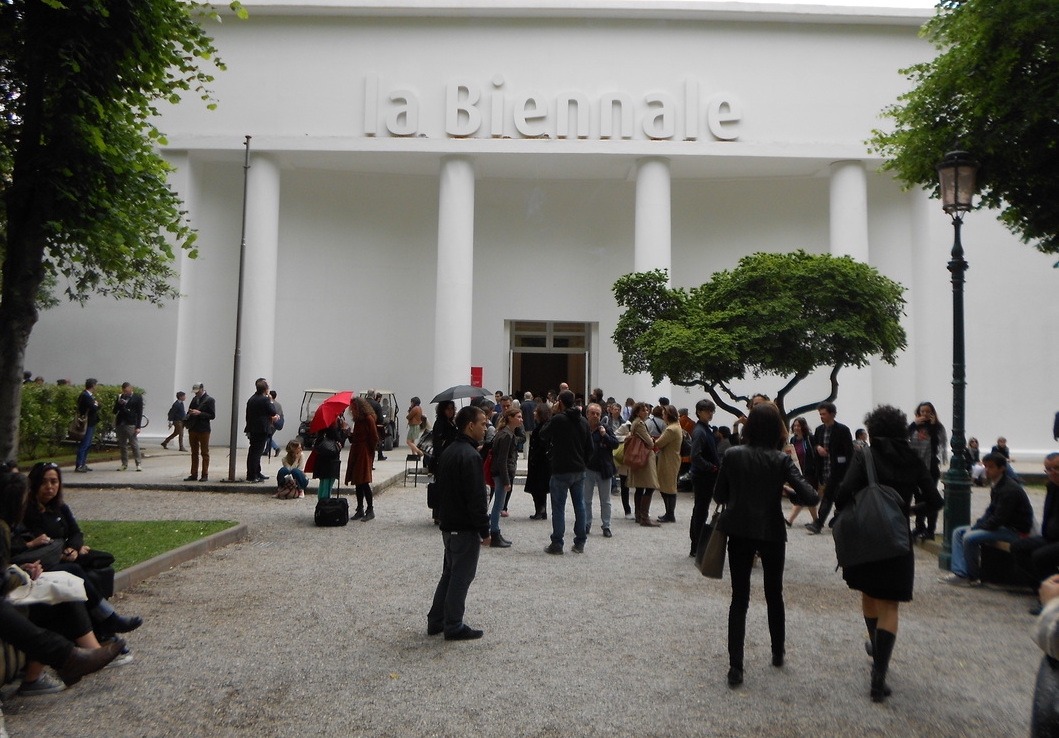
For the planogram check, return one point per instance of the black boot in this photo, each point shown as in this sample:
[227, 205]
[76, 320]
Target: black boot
[120, 624]
[869, 645]
[884, 647]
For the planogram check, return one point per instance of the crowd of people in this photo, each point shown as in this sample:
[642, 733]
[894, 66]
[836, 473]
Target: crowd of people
[578, 450]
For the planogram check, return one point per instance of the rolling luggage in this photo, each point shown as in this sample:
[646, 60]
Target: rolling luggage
[332, 511]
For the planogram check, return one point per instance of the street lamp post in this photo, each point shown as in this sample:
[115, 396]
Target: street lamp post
[956, 174]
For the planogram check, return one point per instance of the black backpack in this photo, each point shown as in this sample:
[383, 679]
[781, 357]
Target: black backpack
[874, 526]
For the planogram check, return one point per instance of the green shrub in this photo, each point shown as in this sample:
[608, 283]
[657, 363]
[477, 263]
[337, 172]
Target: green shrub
[48, 409]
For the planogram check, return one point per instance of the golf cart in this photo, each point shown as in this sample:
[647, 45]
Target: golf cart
[389, 422]
[311, 400]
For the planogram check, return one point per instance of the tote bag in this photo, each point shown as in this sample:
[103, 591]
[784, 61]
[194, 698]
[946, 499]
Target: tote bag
[636, 453]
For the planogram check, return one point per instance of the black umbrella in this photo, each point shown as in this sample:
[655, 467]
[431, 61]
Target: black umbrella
[461, 391]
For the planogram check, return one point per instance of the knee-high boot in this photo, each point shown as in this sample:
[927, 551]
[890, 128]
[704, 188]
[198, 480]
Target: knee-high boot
[645, 519]
[884, 647]
[638, 501]
[871, 624]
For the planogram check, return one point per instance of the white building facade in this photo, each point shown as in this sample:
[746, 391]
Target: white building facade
[445, 186]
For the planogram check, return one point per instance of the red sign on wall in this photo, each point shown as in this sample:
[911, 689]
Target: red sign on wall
[476, 376]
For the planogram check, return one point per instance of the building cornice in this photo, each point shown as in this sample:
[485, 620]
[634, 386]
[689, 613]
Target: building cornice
[669, 10]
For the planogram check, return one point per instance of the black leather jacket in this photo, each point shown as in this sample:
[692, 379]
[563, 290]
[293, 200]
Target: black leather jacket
[750, 484]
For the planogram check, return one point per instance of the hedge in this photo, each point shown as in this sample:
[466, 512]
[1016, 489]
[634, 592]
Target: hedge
[48, 409]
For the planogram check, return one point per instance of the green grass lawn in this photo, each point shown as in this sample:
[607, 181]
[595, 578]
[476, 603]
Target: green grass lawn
[134, 541]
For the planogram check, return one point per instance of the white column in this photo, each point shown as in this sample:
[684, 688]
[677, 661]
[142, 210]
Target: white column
[259, 276]
[653, 244]
[849, 237]
[182, 182]
[455, 273]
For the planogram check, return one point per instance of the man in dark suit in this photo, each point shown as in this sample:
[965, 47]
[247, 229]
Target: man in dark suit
[834, 445]
[201, 410]
[260, 415]
[705, 462]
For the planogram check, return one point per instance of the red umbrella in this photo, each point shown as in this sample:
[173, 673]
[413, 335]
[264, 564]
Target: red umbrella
[330, 409]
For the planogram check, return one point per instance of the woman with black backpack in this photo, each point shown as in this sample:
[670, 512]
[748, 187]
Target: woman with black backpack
[886, 583]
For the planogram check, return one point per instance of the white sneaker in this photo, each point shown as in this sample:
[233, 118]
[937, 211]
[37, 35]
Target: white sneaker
[121, 660]
[45, 684]
[956, 580]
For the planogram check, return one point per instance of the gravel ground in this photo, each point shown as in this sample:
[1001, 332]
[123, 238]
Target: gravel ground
[306, 631]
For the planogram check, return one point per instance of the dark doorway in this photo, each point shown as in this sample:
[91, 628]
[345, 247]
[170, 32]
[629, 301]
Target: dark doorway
[538, 373]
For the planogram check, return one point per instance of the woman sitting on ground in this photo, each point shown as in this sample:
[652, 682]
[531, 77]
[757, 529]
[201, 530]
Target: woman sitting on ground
[68, 619]
[290, 479]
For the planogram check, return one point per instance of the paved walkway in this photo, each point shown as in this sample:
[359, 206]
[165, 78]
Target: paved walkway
[301, 631]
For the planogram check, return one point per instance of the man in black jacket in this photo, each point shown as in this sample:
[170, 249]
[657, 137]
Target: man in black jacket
[128, 417]
[1038, 556]
[569, 444]
[464, 523]
[1008, 518]
[201, 410]
[260, 415]
[88, 408]
[704, 465]
[834, 445]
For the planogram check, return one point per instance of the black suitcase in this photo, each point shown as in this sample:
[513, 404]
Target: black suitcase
[332, 511]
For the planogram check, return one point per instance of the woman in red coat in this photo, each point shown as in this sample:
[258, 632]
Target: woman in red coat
[363, 440]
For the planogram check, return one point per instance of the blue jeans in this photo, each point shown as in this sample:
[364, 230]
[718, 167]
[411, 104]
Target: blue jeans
[560, 484]
[499, 497]
[461, 564]
[299, 477]
[86, 443]
[596, 484]
[967, 548]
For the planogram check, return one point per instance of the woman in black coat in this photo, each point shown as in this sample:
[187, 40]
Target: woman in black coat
[751, 486]
[538, 470]
[444, 430]
[884, 584]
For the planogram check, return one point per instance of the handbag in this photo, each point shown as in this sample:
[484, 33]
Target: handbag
[50, 588]
[713, 544]
[636, 452]
[619, 455]
[78, 427]
[873, 527]
[49, 555]
[326, 447]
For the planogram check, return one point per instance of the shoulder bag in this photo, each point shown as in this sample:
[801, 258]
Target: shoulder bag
[78, 427]
[50, 588]
[873, 527]
[712, 547]
[636, 452]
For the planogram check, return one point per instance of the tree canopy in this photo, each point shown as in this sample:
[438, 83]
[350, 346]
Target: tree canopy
[83, 190]
[993, 91]
[774, 314]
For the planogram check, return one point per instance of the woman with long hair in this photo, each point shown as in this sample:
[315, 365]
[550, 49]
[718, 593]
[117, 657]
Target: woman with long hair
[668, 462]
[291, 481]
[802, 443]
[444, 431]
[505, 460]
[751, 486]
[414, 420]
[644, 479]
[928, 438]
[885, 584]
[363, 440]
[538, 470]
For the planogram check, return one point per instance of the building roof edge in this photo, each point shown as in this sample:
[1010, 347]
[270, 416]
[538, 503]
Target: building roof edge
[697, 10]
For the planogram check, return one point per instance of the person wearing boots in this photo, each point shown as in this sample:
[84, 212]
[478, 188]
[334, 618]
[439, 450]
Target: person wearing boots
[668, 446]
[887, 583]
[363, 440]
[645, 479]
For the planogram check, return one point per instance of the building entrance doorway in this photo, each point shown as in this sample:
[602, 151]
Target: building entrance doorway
[545, 353]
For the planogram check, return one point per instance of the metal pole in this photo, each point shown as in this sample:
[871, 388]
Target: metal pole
[957, 479]
[234, 430]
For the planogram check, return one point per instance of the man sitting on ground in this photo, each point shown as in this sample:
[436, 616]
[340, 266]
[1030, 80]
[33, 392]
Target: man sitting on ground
[1008, 518]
